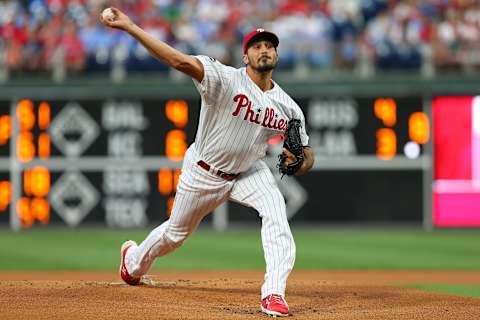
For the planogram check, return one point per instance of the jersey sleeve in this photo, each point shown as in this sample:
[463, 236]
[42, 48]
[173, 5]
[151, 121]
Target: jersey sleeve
[215, 80]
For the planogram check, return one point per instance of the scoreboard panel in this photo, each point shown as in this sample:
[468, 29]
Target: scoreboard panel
[126, 128]
[117, 161]
[93, 160]
[386, 127]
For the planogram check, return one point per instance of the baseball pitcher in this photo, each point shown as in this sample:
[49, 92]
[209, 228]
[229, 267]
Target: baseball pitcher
[240, 110]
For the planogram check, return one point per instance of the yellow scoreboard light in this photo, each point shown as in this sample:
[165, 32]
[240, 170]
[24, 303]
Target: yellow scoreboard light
[36, 181]
[177, 112]
[419, 127]
[176, 144]
[33, 140]
[44, 115]
[29, 210]
[5, 195]
[385, 109]
[394, 132]
[5, 129]
[44, 146]
[25, 114]
[25, 146]
[386, 143]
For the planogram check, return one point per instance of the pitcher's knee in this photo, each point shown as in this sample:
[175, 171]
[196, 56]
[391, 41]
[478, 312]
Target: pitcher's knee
[175, 239]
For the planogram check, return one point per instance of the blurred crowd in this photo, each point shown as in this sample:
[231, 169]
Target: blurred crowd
[322, 34]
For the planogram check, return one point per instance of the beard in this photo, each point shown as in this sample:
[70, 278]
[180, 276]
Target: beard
[265, 67]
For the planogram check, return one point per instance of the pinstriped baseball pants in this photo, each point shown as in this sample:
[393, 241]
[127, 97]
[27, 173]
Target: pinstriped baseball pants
[199, 192]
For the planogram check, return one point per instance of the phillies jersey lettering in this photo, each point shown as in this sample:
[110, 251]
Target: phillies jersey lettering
[237, 119]
[269, 119]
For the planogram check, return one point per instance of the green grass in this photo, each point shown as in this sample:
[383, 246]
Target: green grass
[455, 289]
[98, 249]
[391, 249]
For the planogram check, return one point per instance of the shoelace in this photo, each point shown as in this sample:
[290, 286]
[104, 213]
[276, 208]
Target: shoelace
[277, 299]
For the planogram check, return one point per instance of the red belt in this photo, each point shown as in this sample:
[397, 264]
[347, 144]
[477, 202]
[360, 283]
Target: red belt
[220, 173]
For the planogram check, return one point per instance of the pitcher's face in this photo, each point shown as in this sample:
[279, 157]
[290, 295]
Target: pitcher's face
[261, 56]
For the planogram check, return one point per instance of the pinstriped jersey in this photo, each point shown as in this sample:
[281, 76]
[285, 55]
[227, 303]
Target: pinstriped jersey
[237, 118]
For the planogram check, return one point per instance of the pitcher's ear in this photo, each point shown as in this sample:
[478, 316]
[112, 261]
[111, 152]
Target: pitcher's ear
[245, 59]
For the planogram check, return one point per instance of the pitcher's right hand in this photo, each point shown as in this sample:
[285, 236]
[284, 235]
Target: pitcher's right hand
[118, 21]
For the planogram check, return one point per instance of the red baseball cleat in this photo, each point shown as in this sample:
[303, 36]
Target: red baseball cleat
[123, 269]
[275, 305]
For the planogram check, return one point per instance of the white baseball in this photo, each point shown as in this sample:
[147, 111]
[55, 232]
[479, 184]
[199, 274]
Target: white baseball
[108, 14]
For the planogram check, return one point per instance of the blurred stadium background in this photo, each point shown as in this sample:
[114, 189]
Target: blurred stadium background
[365, 36]
[93, 130]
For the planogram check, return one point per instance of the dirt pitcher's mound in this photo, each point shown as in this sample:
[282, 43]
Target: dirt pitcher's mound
[232, 295]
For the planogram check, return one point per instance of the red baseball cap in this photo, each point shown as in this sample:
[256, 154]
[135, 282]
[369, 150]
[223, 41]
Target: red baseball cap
[259, 32]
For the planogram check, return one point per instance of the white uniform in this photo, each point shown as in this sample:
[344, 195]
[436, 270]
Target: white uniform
[236, 121]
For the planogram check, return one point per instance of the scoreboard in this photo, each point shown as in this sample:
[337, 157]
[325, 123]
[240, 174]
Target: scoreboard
[382, 126]
[88, 160]
[117, 161]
